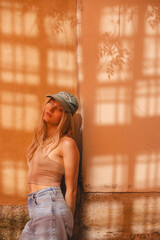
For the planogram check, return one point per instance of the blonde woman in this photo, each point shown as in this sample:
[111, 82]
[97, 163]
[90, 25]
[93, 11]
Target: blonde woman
[52, 154]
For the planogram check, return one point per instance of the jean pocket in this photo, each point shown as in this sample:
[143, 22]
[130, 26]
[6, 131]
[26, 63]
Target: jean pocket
[42, 201]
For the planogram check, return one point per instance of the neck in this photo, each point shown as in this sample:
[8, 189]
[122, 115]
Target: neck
[50, 130]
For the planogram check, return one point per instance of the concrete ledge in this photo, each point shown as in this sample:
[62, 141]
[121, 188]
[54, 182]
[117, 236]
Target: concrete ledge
[99, 216]
[98, 234]
[12, 221]
[14, 218]
[120, 216]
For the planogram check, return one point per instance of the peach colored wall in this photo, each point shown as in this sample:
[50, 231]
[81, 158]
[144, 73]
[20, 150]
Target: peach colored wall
[119, 78]
[37, 57]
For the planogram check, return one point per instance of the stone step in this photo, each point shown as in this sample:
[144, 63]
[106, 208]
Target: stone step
[12, 221]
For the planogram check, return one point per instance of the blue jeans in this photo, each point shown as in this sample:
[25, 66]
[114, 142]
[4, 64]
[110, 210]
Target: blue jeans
[50, 216]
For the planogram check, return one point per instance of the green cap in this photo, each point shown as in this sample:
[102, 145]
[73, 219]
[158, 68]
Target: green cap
[67, 101]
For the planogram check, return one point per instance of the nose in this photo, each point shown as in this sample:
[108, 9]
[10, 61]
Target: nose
[52, 108]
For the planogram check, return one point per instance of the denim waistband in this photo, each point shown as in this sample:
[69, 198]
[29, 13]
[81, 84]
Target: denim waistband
[56, 189]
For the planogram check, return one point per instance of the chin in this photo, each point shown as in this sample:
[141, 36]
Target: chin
[45, 119]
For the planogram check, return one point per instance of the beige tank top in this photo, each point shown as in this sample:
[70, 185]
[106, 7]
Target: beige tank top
[43, 170]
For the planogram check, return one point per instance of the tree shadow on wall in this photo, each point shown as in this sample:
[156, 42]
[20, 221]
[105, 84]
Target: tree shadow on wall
[121, 70]
[37, 57]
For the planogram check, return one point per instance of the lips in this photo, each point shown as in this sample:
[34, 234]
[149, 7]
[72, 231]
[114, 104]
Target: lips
[48, 114]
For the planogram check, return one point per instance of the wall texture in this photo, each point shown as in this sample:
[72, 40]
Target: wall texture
[120, 216]
[37, 57]
[119, 62]
[118, 56]
[119, 84]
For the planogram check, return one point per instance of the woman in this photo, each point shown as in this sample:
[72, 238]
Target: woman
[52, 154]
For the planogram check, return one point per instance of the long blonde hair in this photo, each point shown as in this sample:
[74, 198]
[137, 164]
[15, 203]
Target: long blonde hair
[39, 139]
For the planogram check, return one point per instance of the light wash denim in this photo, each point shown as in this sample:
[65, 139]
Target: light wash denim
[50, 216]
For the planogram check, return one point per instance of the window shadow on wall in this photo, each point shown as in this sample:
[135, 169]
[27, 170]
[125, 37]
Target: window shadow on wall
[37, 57]
[120, 93]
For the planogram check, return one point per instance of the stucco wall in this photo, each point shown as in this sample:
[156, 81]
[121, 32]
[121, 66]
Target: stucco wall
[119, 75]
[119, 216]
[99, 216]
[119, 84]
[37, 57]
[118, 58]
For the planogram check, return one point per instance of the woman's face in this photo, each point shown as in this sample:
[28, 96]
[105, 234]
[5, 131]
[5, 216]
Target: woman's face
[53, 112]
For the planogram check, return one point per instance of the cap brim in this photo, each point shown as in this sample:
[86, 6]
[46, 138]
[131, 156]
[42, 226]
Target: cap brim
[61, 102]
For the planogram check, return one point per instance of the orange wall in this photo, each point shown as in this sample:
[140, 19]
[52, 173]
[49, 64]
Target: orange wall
[37, 57]
[119, 85]
[119, 75]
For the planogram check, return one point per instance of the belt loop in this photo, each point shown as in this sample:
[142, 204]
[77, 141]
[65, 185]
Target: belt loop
[54, 190]
[34, 198]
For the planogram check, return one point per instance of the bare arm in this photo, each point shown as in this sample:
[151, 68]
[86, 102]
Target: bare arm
[71, 165]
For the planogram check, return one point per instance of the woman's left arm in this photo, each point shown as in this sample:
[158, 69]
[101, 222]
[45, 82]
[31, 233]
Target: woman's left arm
[71, 164]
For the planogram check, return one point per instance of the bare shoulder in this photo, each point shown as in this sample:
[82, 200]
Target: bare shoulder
[68, 144]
